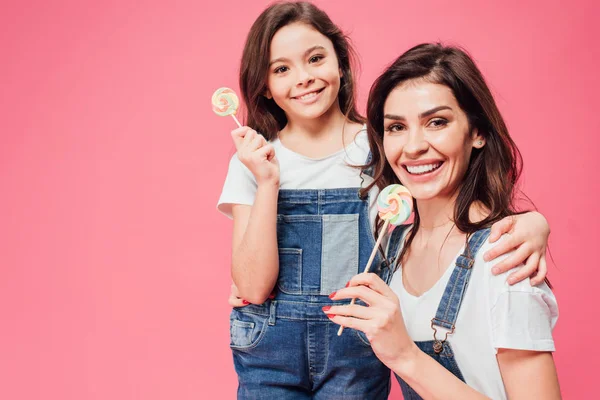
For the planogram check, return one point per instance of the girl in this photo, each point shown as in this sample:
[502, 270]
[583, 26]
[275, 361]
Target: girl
[299, 220]
[435, 120]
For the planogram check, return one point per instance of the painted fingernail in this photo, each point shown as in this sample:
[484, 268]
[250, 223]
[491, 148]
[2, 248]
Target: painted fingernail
[272, 296]
[332, 295]
[511, 280]
[326, 308]
[495, 270]
[348, 284]
[246, 302]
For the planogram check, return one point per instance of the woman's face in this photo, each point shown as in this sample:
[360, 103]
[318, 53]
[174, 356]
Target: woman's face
[426, 139]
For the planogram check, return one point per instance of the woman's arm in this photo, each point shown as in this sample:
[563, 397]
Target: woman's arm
[523, 372]
[529, 237]
[528, 374]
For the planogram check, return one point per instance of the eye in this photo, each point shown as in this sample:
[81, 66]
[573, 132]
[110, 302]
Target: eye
[438, 122]
[316, 58]
[281, 69]
[395, 128]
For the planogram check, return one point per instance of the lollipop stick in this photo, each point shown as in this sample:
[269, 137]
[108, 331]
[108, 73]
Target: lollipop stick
[236, 120]
[381, 235]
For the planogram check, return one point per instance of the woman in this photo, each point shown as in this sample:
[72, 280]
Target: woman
[446, 319]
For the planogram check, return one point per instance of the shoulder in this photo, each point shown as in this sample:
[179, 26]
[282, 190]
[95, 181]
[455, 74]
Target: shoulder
[522, 316]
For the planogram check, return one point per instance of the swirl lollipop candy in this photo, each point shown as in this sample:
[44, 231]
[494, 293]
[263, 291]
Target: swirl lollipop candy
[225, 102]
[394, 205]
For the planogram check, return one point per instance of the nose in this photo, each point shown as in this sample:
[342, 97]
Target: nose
[416, 143]
[305, 77]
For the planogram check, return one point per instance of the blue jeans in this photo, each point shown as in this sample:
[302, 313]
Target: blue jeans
[287, 348]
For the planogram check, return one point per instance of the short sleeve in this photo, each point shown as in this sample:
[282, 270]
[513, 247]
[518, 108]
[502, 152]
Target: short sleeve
[239, 187]
[522, 316]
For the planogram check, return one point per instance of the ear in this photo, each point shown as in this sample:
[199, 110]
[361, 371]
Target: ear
[477, 139]
[267, 94]
[341, 73]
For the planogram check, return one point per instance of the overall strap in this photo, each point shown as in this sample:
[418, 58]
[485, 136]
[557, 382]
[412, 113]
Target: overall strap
[449, 306]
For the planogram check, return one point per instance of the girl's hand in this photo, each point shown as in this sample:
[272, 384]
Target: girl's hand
[257, 155]
[236, 301]
[529, 238]
[382, 321]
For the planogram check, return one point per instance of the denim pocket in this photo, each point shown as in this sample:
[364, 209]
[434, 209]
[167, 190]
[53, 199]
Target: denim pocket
[339, 251]
[290, 271]
[246, 330]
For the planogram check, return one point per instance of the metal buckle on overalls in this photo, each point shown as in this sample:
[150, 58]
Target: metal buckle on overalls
[438, 345]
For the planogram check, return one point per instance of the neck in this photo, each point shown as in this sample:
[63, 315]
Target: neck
[436, 214]
[331, 121]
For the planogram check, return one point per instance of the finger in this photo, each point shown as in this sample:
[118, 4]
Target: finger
[238, 135]
[255, 144]
[525, 272]
[364, 293]
[249, 136]
[503, 247]
[350, 310]
[237, 302]
[514, 260]
[372, 281]
[541, 272]
[267, 152]
[505, 225]
[349, 322]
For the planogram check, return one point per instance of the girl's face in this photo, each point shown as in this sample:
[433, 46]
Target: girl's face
[426, 139]
[304, 75]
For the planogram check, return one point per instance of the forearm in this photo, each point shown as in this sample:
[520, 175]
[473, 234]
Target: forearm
[430, 379]
[255, 260]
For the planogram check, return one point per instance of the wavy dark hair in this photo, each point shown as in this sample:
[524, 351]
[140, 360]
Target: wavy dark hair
[263, 114]
[493, 170]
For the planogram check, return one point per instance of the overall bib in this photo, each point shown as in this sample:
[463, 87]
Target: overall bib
[447, 313]
[287, 348]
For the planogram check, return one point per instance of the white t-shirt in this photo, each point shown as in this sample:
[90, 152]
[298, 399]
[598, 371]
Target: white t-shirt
[299, 172]
[493, 315]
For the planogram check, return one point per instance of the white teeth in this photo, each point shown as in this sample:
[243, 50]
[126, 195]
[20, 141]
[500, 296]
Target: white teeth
[308, 96]
[421, 169]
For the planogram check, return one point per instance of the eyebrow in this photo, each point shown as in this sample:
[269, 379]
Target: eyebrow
[422, 115]
[306, 53]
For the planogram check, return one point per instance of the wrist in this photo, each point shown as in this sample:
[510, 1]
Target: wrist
[268, 184]
[405, 363]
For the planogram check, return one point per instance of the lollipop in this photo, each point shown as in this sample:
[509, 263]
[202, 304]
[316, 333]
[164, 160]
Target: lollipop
[225, 102]
[394, 204]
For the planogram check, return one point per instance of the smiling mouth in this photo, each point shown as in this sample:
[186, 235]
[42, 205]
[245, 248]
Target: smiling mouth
[309, 96]
[422, 169]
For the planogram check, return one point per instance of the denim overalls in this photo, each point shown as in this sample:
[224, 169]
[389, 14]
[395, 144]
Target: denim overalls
[287, 348]
[447, 313]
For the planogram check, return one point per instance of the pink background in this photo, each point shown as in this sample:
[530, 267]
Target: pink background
[114, 260]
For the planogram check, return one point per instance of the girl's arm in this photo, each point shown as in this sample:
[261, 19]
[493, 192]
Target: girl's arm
[529, 237]
[255, 258]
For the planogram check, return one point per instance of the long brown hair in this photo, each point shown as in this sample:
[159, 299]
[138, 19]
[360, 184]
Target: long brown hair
[263, 114]
[493, 170]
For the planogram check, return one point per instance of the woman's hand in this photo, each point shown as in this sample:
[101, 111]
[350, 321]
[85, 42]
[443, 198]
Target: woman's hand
[235, 300]
[529, 239]
[257, 155]
[381, 321]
